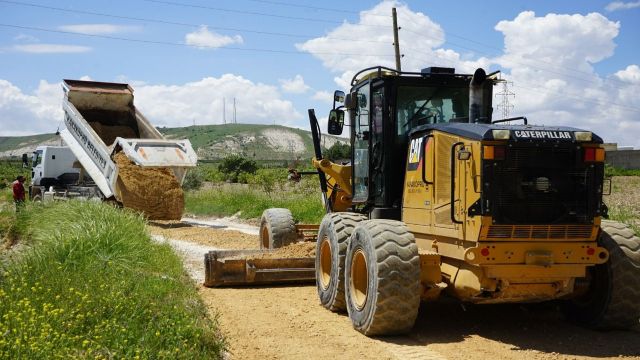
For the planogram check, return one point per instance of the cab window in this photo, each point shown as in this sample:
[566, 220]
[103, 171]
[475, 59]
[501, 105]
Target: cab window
[429, 105]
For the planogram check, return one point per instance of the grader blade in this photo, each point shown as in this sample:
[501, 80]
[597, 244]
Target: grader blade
[246, 267]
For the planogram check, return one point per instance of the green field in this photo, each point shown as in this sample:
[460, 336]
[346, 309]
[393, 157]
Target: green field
[93, 285]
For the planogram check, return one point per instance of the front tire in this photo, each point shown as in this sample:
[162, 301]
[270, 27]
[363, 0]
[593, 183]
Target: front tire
[277, 228]
[331, 249]
[613, 298]
[382, 278]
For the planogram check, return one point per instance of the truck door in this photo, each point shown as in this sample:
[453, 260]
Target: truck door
[361, 136]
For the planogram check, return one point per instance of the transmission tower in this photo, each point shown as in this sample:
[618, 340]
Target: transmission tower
[505, 106]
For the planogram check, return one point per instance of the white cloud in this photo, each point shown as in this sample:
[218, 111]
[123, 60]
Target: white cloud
[549, 58]
[555, 83]
[25, 38]
[324, 96]
[420, 38]
[631, 74]
[621, 5]
[295, 85]
[23, 114]
[203, 39]
[99, 29]
[164, 105]
[51, 48]
[202, 101]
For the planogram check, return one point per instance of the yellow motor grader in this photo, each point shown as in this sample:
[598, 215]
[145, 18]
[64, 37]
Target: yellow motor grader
[439, 198]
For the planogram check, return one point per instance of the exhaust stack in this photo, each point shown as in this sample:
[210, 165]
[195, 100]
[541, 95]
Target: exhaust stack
[476, 96]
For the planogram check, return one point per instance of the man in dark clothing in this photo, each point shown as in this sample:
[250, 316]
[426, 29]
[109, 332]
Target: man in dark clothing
[18, 192]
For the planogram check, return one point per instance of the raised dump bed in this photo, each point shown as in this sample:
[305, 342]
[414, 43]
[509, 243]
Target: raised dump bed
[127, 157]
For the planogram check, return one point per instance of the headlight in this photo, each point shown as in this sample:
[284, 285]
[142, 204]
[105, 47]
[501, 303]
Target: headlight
[583, 135]
[501, 134]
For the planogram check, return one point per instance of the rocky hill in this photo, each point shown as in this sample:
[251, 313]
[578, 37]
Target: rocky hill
[259, 142]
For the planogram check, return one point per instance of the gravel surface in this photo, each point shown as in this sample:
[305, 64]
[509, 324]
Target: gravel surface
[287, 322]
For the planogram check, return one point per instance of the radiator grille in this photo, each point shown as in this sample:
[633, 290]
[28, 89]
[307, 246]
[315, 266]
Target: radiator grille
[540, 232]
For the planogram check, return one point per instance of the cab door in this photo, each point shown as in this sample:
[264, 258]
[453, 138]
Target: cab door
[361, 132]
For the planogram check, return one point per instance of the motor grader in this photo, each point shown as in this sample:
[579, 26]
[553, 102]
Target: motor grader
[440, 199]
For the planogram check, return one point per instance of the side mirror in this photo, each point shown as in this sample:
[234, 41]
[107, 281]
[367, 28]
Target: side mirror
[336, 122]
[338, 96]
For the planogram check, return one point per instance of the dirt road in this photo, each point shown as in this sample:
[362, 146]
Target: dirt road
[288, 323]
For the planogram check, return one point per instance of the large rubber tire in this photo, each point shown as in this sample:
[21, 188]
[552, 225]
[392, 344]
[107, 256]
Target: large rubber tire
[331, 249]
[613, 298]
[277, 228]
[382, 278]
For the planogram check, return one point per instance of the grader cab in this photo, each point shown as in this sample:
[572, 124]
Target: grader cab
[440, 199]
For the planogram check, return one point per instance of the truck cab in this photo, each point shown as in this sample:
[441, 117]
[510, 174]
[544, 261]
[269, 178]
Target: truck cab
[54, 169]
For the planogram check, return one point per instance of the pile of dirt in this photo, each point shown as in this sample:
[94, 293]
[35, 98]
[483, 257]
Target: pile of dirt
[216, 238]
[296, 250]
[155, 192]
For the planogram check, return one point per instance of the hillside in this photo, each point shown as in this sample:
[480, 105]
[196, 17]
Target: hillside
[259, 142]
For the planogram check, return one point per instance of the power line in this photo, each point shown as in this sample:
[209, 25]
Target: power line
[309, 37]
[187, 45]
[308, 7]
[235, 11]
[191, 25]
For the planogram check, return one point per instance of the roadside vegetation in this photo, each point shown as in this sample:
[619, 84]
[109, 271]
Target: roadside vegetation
[86, 281]
[268, 188]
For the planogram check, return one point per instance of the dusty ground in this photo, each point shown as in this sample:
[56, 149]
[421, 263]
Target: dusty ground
[287, 322]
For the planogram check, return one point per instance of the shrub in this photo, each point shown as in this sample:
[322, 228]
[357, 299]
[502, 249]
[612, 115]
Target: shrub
[193, 180]
[234, 165]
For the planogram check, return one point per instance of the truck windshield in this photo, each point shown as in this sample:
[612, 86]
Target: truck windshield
[430, 105]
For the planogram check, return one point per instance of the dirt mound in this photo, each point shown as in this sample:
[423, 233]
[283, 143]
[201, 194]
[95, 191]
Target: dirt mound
[155, 192]
[216, 238]
[295, 250]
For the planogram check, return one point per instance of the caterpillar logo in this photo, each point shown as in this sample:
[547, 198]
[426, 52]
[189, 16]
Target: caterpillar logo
[415, 153]
[527, 134]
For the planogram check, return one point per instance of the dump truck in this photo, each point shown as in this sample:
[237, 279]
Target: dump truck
[440, 199]
[102, 126]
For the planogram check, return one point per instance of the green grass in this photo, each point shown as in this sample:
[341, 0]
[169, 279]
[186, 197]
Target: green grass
[303, 199]
[613, 171]
[93, 285]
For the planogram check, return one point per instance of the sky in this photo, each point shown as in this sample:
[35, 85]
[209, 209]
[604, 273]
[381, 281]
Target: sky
[572, 62]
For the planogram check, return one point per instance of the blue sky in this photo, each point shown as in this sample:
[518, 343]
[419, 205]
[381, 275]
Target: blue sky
[571, 62]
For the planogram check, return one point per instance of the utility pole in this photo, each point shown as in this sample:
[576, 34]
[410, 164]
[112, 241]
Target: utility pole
[224, 111]
[505, 105]
[396, 43]
[234, 111]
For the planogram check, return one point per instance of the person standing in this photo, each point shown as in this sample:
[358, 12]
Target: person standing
[18, 192]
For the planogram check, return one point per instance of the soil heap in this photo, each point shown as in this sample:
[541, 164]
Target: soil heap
[295, 250]
[155, 192]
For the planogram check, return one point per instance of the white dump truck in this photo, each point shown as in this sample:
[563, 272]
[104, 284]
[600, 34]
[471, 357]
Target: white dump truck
[101, 120]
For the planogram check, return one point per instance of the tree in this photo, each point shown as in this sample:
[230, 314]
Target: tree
[234, 165]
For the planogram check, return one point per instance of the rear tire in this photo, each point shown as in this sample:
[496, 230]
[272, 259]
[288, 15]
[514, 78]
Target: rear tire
[613, 298]
[331, 249]
[382, 278]
[277, 229]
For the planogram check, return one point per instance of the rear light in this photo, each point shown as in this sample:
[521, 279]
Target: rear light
[593, 155]
[490, 152]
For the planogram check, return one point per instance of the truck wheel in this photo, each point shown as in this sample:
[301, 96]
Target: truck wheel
[613, 298]
[331, 248]
[277, 229]
[382, 278]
